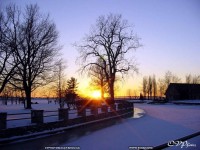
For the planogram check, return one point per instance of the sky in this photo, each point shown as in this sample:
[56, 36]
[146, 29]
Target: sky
[169, 32]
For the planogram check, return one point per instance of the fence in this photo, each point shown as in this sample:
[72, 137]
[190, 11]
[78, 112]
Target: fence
[81, 114]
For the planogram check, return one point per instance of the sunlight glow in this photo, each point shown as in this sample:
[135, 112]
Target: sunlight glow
[96, 94]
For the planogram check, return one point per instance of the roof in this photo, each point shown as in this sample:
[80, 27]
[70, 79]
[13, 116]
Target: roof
[184, 88]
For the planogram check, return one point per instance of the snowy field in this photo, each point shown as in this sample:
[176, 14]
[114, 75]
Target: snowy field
[153, 125]
[159, 125]
[19, 108]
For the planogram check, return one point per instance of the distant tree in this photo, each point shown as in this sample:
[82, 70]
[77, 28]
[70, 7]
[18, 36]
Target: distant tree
[98, 78]
[161, 87]
[129, 93]
[171, 78]
[154, 86]
[145, 86]
[34, 47]
[59, 80]
[192, 79]
[163, 83]
[150, 87]
[188, 78]
[71, 91]
[111, 40]
[196, 79]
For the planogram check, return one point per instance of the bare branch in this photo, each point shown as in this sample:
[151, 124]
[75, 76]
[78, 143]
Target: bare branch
[110, 41]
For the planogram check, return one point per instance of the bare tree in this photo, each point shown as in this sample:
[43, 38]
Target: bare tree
[7, 65]
[60, 81]
[111, 40]
[98, 78]
[188, 78]
[163, 83]
[195, 79]
[154, 84]
[34, 46]
[161, 87]
[145, 85]
[150, 87]
[171, 78]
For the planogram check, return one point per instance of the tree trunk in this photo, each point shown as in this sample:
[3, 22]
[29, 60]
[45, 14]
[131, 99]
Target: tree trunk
[102, 92]
[111, 89]
[102, 89]
[28, 98]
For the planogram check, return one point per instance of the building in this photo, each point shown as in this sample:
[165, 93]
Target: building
[182, 91]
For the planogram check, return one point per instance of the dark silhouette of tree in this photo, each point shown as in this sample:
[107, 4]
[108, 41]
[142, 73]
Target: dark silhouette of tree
[60, 82]
[98, 78]
[188, 78]
[71, 91]
[154, 84]
[163, 83]
[7, 65]
[171, 78]
[111, 40]
[192, 79]
[145, 86]
[161, 87]
[150, 87]
[34, 46]
[196, 79]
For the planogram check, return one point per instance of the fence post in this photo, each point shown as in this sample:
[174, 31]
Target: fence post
[113, 107]
[94, 110]
[37, 116]
[120, 106]
[81, 111]
[63, 114]
[3, 119]
[104, 108]
[132, 106]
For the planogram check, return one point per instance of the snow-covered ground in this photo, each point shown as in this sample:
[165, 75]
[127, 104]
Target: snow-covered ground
[19, 108]
[161, 124]
[153, 125]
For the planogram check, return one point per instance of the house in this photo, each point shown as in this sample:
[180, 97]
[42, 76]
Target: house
[182, 91]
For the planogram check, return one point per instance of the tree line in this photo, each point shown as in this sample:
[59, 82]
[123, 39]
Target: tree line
[153, 87]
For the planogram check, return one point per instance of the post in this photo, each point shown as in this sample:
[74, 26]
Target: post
[94, 110]
[37, 116]
[113, 107]
[104, 108]
[81, 111]
[63, 114]
[3, 119]
[120, 106]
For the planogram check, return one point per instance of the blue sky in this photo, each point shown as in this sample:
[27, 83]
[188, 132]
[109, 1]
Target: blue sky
[169, 31]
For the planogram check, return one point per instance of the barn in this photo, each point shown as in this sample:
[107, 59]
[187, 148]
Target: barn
[182, 91]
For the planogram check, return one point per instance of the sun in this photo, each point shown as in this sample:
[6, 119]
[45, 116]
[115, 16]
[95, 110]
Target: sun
[96, 94]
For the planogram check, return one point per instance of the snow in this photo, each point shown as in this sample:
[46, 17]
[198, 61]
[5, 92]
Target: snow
[152, 125]
[13, 109]
[161, 124]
